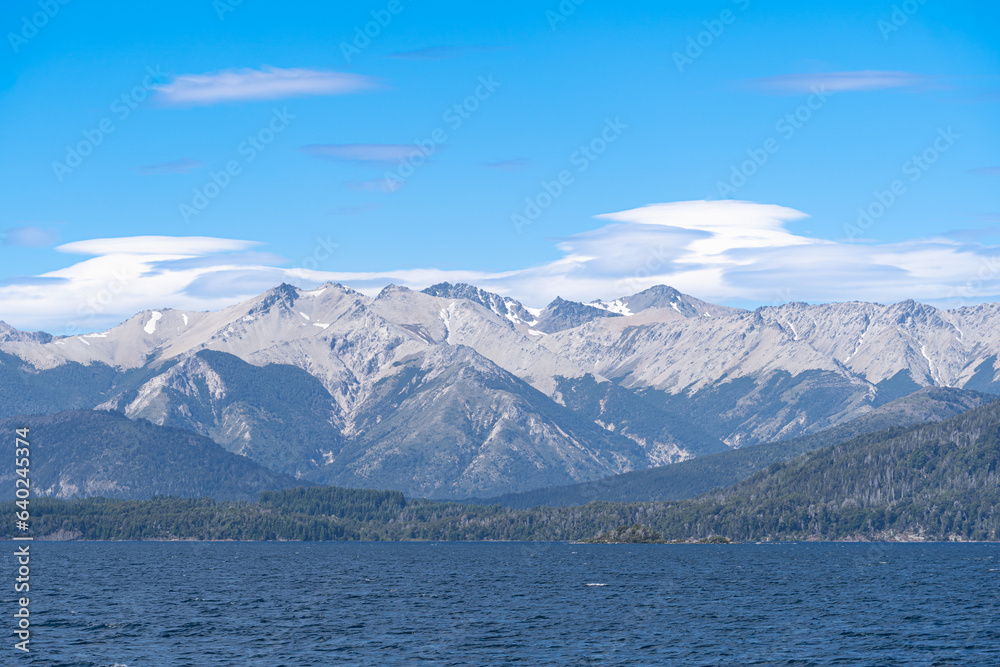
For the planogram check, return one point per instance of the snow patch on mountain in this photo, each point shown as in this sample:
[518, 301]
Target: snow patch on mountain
[150, 326]
[618, 306]
[775, 368]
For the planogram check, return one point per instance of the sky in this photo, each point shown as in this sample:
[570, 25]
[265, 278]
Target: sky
[194, 153]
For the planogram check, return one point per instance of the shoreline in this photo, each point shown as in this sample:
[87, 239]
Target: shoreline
[569, 542]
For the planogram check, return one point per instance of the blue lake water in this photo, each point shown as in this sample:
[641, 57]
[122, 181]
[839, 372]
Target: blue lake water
[141, 604]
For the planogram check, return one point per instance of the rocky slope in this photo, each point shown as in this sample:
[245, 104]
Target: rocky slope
[456, 391]
[700, 475]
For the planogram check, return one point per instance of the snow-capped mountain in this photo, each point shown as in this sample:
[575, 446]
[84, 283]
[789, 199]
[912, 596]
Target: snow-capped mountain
[507, 308]
[561, 315]
[558, 315]
[662, 297]
[456, 391]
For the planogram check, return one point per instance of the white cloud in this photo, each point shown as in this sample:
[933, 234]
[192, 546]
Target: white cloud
[722, 251]
[381, 153]
[268, 83]
[836, 82]
[156, 245]
[122, 276]
[728, 251]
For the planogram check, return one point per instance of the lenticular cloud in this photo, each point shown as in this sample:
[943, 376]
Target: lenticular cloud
[268, 83]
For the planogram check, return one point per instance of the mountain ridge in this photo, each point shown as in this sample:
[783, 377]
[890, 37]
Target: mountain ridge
[82, 453]
[706, 377]
[703, 474]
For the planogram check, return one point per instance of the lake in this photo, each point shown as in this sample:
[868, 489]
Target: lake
[186, 603]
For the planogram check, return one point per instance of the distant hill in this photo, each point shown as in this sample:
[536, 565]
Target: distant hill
[696, 476]
[938, 481]
[80, 453]
[932, 482]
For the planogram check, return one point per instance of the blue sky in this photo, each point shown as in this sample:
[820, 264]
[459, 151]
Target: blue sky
[832, 106]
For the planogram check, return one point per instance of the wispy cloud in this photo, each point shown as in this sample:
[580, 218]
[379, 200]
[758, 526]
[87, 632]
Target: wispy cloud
[267, 83]
[723, 251]
[182, 166]
[986, 171]
[363, 153]
[442, 52]
[156, 245]
[125, 275]
[31, 281]
[836, 82]
[30, 236]
[211, 261]
[975, 233]
[508, 165]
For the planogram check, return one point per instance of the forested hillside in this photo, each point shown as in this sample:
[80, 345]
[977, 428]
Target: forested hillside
[693, 477]
[81, 453]
[935, 482]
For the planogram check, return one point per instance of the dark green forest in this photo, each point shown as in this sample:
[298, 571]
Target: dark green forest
[935, 482]
[702, 474]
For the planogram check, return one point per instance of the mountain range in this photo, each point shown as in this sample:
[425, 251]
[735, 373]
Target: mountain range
[697, 476]
[936, 481]
[456, 392]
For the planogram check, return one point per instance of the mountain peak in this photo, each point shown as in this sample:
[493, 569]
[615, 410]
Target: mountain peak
[459, 291]
[282, 294]
[665, 290]
[913, 309]
[561, 314]
[662, 297]
[392, 289]
[509, 309]
[9, 333]
[329, 284]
